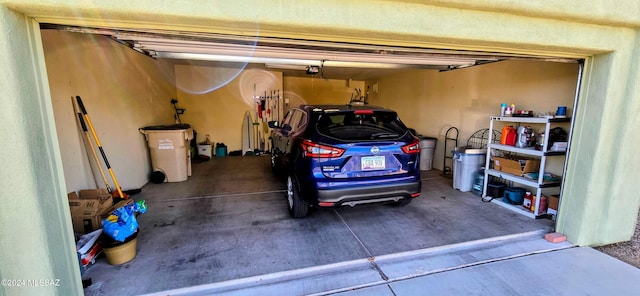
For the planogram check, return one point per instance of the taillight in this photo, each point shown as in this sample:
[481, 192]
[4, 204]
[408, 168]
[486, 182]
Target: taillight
[311, 149]
[367, 112]
[412, 148]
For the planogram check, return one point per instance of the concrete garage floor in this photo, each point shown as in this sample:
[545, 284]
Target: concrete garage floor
[229, 222]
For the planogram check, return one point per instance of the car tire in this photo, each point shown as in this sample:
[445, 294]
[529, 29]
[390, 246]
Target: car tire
[401, 203]
[274, 165]
[275, 168]
[297, 207]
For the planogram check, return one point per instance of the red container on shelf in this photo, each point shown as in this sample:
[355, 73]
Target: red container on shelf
[508, 136]
[528, 202]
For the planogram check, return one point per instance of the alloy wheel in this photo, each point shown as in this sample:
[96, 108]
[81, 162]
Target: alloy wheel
[290, 192]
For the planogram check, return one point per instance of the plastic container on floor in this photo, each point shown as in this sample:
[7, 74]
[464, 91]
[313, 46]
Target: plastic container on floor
[514, 195]
[495, 189]
[221, 150]
[427, 148]
[465, 163]
[119, 252]
[205, 150]
[170, 150]
[478, 182]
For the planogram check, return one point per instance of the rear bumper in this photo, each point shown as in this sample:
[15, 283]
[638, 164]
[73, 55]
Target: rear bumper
[368, 194]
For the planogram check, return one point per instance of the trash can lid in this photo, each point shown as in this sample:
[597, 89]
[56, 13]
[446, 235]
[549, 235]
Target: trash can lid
[166, 127]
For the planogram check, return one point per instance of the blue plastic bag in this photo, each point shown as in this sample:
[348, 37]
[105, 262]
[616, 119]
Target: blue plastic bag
[125, 223]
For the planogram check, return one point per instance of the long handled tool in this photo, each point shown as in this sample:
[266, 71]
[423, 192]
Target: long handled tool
[104, 156]
[93, 150]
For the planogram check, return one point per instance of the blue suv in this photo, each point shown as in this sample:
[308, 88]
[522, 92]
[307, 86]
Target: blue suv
[335, 155]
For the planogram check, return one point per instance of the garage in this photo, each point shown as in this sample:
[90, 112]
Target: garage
[438, 99]
[445, 95]
[227, 221]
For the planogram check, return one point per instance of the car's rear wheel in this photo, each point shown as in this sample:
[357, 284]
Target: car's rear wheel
[274, 167]
[297, 207]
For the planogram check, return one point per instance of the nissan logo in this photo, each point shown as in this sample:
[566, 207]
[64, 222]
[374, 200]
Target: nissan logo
[375, 149]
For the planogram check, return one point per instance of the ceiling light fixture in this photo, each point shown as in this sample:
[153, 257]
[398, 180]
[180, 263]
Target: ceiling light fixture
[286, 67]
[199, 50]
[233, 59]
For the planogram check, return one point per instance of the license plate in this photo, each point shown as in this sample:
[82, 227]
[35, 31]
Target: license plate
[372, 163]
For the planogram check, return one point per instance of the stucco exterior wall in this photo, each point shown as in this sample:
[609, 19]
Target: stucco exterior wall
[598, 206]
[35, 239]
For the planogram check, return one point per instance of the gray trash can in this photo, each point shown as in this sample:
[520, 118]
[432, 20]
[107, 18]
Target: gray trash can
[465, 163]
[427, 147]
[170, 150]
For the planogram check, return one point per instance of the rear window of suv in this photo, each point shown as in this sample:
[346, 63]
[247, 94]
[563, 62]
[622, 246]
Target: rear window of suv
[360, 125]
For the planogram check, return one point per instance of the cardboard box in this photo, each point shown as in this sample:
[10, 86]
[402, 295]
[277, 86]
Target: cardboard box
[86, 207]
[559, 146]
[112, 208]
[516, 165]
[87, 214]
[554, 200]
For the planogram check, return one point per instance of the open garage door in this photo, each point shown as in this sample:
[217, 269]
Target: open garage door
[431, 89]
[336, 60]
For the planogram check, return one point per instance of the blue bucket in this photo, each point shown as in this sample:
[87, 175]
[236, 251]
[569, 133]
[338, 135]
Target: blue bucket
[221, 151]
[514, 195]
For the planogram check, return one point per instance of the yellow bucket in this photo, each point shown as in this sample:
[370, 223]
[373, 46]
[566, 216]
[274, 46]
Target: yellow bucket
[116, 252]
[122, 253]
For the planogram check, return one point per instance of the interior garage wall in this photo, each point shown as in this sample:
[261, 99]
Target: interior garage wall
[122, 91]
[431, 101]
[216, 98]
[314, 90]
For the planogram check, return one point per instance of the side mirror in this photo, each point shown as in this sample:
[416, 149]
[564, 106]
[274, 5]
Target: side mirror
[273, 124]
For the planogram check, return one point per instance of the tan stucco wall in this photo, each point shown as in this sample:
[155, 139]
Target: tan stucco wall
[598, 206]
[217, 97]
[318, 91]
[122, 91]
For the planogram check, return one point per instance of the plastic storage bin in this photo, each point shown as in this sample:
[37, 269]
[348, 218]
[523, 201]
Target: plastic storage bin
[427, 148]
[170, 150]
[514, 195]
[205, 150]
[465, 163]
[495, 189]
[221, 150]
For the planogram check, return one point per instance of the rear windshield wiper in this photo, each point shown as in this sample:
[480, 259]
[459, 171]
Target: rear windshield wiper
[383, 135]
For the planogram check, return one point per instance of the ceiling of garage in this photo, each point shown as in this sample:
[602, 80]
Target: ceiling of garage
[295, 57]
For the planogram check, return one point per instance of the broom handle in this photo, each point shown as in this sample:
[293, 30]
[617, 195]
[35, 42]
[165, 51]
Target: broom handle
[93, 151]
[95, 136]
